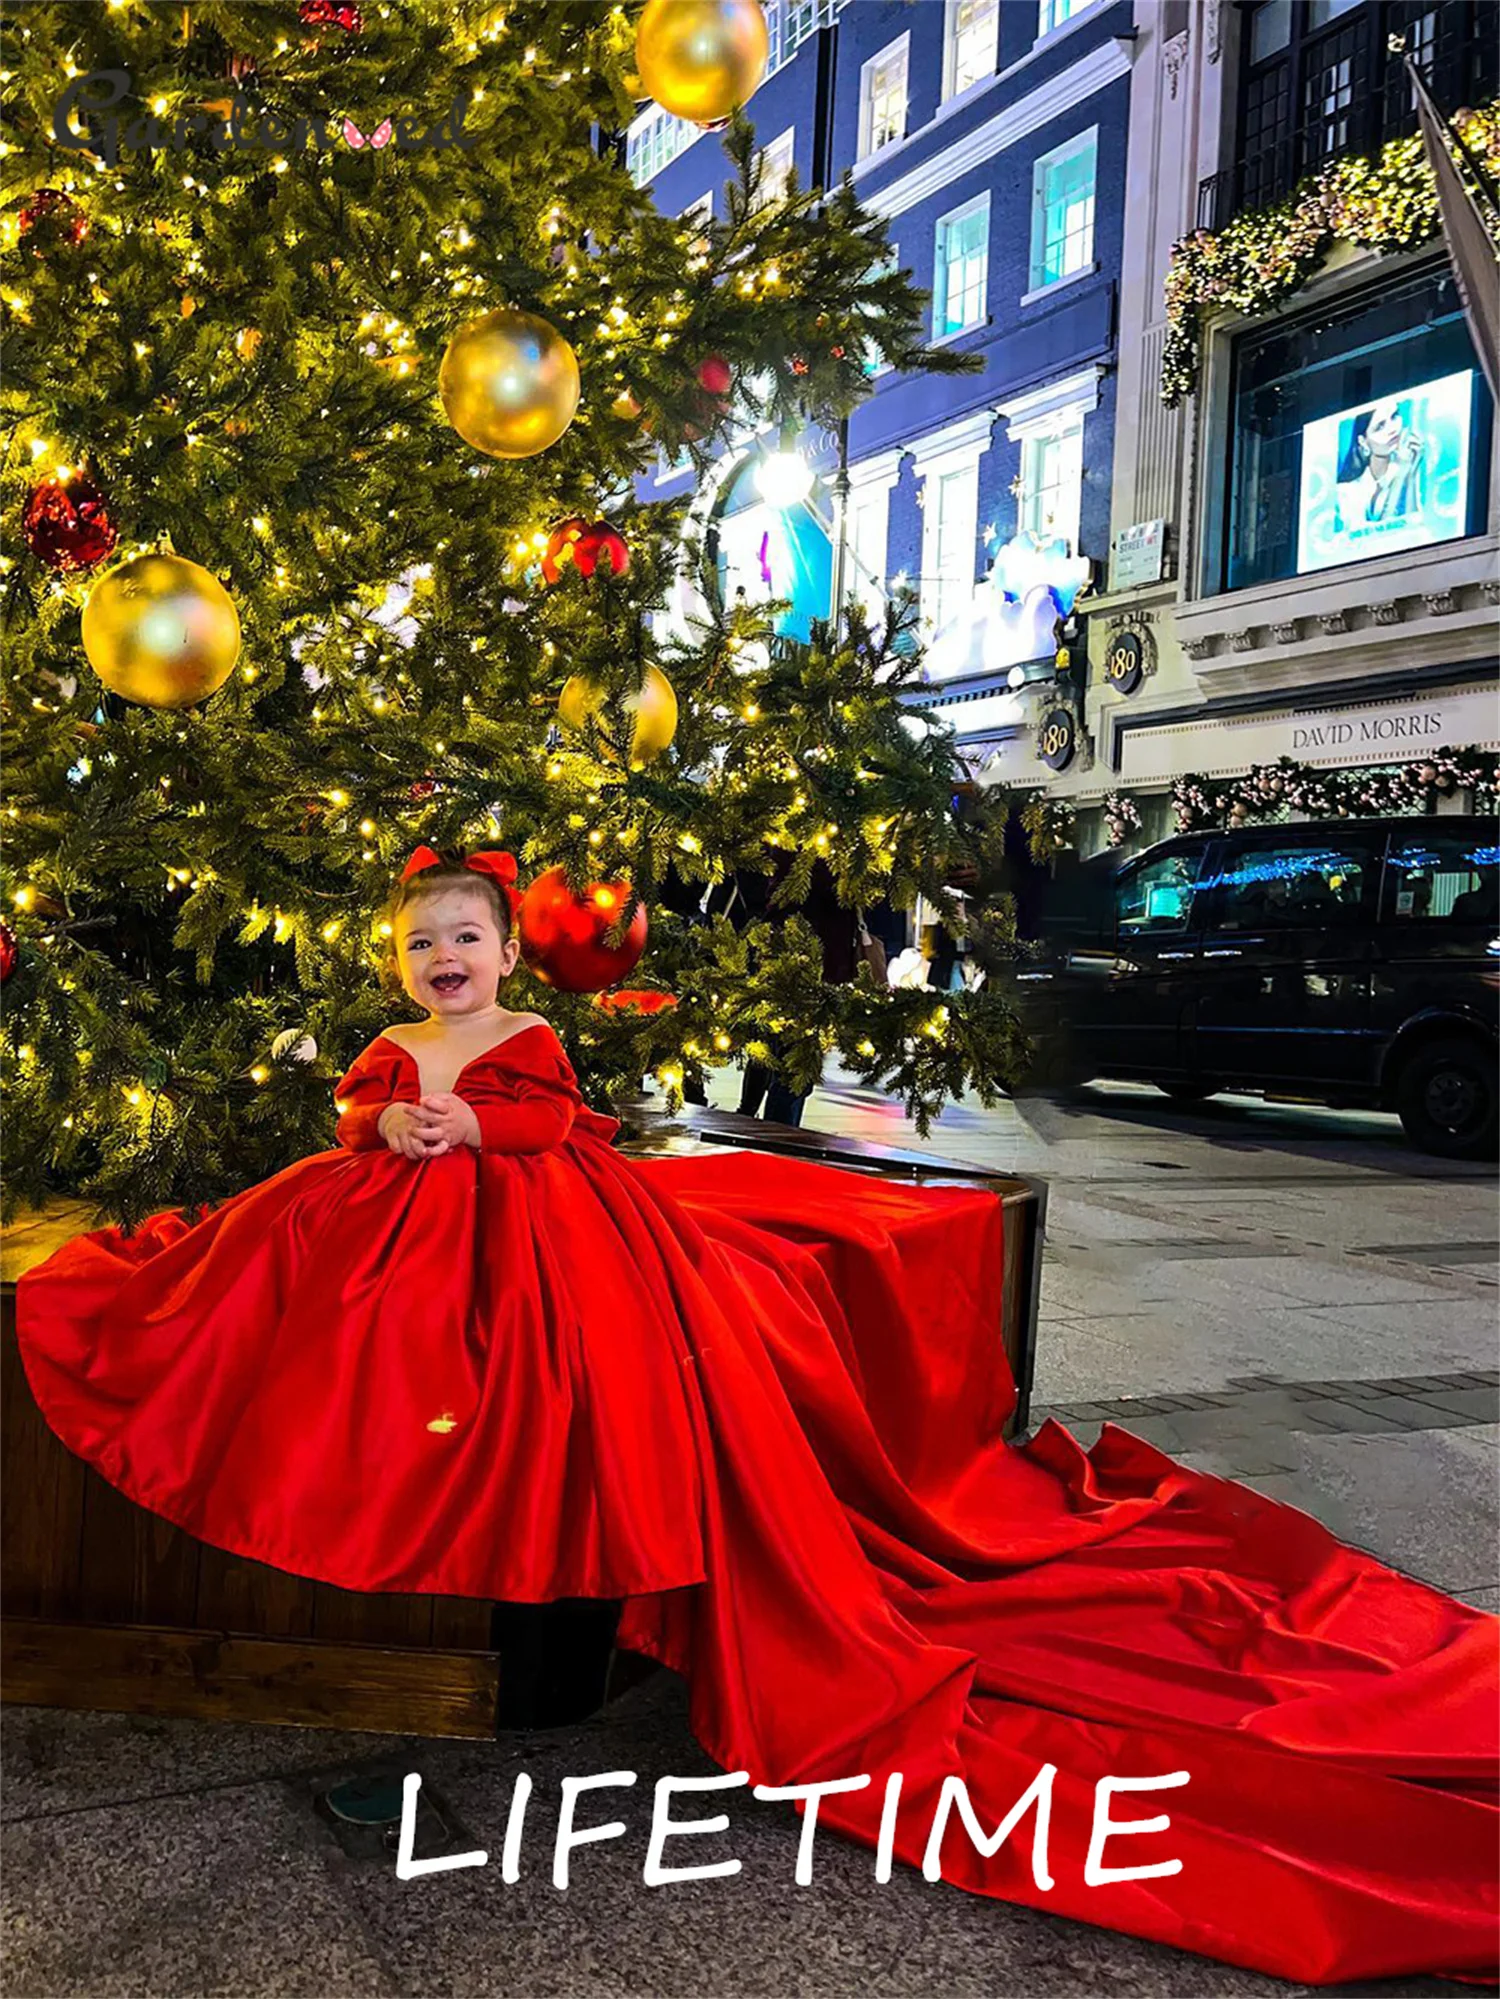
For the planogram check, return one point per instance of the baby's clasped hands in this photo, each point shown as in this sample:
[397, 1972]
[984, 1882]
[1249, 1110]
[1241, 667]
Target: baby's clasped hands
[426, 1130]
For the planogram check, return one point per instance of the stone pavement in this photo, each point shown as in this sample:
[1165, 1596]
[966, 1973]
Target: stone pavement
[1290, 1297]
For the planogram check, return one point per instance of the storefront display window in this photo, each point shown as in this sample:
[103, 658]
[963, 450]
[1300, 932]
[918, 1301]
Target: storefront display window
[1354, 433]
[770, 552]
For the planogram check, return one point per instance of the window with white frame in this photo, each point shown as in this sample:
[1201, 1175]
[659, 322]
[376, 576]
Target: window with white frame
[882, 98]
[962, 267]
[950, 529]
[1062, 210]
[776, 168]
[869, 530]
[693, 218]
[653, 141]
[872, 360]
[1053, 13]
[1052, 480]
[789, 23]
[972, 43]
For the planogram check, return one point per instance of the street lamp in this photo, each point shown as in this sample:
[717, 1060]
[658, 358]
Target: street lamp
[783, 478]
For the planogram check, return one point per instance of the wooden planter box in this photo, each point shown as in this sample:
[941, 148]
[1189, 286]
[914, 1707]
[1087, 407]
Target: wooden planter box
[103, 1605]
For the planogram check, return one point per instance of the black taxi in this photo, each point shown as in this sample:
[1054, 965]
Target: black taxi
[1352, 962]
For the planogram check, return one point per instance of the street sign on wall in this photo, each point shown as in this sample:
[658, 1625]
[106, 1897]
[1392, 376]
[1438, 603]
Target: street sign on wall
[1140, 553]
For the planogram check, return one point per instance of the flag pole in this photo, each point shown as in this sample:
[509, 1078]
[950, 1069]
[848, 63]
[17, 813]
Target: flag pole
[1471, 241]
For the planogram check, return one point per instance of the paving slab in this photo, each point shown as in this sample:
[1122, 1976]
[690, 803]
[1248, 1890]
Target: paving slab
[222, 1891]
[1424, 1502]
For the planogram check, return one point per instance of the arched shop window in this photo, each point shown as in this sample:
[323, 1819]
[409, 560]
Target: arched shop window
[774, 552]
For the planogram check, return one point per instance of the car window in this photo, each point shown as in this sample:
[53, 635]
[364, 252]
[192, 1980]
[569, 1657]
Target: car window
[1157, 899]
[1443, 877]
[1295, 885]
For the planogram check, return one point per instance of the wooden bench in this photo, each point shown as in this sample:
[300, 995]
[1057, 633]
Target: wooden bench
[103, 1605]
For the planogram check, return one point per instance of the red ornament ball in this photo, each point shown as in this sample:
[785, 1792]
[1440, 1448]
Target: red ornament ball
[715, 375]
[67, 524]
[634, 999]
[330, 14]
[709, 398]
[8, 952]
[424, 787]
[585, 544]
[563, 933]
[53, 217]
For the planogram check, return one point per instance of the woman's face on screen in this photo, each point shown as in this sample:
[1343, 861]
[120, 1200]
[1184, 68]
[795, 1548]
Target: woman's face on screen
[1384, 430]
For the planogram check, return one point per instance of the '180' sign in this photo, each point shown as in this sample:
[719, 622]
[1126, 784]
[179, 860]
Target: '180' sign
[1125, 665]
[1057, 739]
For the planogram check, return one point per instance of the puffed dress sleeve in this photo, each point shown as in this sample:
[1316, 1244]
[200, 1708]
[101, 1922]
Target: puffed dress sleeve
[538, 1096]
[528, 1099]
[360, 1096]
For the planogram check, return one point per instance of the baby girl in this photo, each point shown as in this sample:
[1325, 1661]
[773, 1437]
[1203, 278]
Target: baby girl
[454, 944]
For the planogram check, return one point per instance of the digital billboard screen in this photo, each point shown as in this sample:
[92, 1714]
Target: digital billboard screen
[1388, 474]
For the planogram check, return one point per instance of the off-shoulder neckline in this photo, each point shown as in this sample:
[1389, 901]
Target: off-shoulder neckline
[515, 1035]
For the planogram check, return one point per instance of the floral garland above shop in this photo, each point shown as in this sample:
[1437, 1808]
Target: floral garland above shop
[1270, 789]
[1259, 260]
[1267, 791]
[1049, 825]
[1122, 817]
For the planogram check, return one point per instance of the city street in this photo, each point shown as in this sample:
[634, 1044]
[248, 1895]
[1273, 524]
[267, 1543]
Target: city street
[1286, 1296]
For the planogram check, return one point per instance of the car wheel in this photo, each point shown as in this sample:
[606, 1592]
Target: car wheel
[1184, 1092]
[1446, 1099]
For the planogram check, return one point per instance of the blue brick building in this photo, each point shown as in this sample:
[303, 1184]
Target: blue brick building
[992, 136]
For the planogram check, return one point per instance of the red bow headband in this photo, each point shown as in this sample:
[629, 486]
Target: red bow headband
[499, 866]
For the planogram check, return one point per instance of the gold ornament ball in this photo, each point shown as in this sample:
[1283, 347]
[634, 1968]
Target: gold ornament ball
[509, 382]
[702, 59]
[580, 698]
[162, 631]
[652, 712]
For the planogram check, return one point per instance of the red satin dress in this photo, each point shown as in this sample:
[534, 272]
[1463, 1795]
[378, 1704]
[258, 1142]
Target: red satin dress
[761, 1400]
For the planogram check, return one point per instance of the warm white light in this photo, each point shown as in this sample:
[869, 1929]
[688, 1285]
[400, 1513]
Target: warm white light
[784, 478]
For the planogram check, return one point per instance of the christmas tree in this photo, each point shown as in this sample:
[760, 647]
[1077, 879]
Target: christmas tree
[241, 240]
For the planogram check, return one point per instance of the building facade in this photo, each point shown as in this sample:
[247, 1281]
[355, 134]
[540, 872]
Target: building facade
[992, 135]
[1304, 540]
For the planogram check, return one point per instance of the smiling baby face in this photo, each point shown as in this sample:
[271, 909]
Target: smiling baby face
[451, 953]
